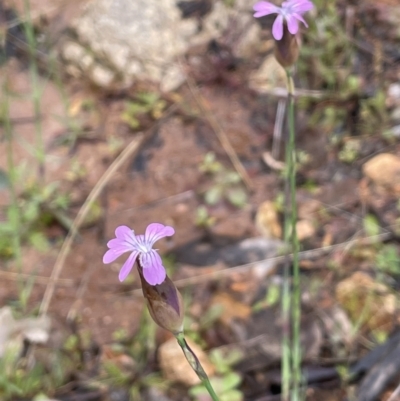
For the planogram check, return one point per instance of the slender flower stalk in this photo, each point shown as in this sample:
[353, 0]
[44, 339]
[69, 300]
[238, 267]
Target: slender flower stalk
[40, 151]
[296, 296]
[285, 32]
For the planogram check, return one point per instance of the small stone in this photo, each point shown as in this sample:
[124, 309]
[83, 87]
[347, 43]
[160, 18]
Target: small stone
[384, 170]
[267, 220]
[173, 78]
[73, 70]
[368, 302]
[73, 52]
[86, 61]
[102, 76]
[251, 250]
[308, 208]
[305, 229]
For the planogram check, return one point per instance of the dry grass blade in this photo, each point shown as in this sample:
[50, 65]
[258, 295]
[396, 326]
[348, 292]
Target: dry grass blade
[122, 158]
[395, 396]
[38, 279]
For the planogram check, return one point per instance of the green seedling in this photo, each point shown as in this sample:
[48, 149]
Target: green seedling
[272, 296]
[350, 151]
[203, 218]
[145, 103]
[371, 225]
[35, 209]
[388, 260]
[226, 183]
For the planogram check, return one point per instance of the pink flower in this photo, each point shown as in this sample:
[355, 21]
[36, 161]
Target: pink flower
[142, 246]
[291, 11]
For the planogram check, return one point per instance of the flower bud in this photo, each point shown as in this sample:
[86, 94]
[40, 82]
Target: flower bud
[164, 303]
[287, 49]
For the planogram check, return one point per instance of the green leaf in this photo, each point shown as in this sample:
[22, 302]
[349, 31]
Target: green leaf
[148, 98]
[228, 382]
[39, 241]
[213, 195]
[371, 225]
[232, 178]
[130, 120]
[237, 197]
[232, 395]
[388, 260]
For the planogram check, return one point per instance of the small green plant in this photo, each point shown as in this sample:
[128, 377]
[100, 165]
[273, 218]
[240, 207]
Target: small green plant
[388, 260]
[203, 218]
[18, 381]
[145, 103]
[272, 296]
[226, 183]
[350, 151]
[371, 225]
[226, 382]
[35, 209]
[374, 114]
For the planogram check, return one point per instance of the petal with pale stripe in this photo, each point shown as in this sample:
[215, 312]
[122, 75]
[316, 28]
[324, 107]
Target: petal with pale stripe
[127, 266]
[156, 231]
[153, 270]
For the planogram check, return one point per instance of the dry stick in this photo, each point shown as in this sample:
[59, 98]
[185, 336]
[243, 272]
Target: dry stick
[38, 279]
[276, 142]
[395, 396]
[221, 135]
[132, 147]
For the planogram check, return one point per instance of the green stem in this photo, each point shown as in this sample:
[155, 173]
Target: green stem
[195, 364]
[296, 306]
[14, 213]
[286, 296]
[36, 91]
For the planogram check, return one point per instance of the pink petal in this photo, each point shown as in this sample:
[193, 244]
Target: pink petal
[127, 266]
[156, 231]
[300, 18]
[302, 6]
[264, 8]
[118, 243]
[292, 24]
[112, 254]
[153, 270]
[124, 233]
[277, 28]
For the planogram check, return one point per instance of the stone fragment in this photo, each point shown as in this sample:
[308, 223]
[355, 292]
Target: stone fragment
[101, 76]
[267, 220]
[144, 39]
[384, 170]
[368, 302]
[305, 229]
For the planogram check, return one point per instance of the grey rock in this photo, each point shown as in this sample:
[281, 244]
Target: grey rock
[131, 39]
[251, 250]
[127, 40]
